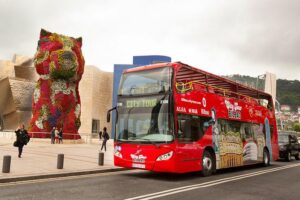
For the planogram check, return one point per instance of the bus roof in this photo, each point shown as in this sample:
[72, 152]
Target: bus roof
[186, 72]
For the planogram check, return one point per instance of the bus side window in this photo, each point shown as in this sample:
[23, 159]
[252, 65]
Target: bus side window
[187, 131]
[191, 128]
[181, 125]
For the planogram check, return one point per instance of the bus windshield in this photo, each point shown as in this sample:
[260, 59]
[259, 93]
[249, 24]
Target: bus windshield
[144, 120]
[151, 81]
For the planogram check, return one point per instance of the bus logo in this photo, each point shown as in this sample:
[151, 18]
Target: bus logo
[138, 158]
[234, 110]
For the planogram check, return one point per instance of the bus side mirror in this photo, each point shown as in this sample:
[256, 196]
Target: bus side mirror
[108, 114]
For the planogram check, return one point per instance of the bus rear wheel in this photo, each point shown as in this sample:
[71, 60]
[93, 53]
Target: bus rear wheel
[208, 164]
[266, 158]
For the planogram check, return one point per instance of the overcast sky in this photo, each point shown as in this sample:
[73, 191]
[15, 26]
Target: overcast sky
[222, 37]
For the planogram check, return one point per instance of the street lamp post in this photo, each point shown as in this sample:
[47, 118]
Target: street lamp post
[278, 107]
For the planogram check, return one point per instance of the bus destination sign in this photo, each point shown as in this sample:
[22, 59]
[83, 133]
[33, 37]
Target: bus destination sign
[141, 103]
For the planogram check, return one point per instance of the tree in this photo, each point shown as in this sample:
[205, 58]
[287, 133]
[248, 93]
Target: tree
[296, 127]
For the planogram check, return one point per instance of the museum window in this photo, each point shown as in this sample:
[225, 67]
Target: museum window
[95, 126]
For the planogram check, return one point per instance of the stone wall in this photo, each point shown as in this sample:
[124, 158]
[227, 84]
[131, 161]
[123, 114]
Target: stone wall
[85, 91]
[96, 96]
[103, 97]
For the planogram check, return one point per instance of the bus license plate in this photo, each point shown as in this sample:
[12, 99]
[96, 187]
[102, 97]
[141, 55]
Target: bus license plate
[141, 166]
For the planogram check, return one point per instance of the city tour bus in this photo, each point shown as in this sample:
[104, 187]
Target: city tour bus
[171, 117]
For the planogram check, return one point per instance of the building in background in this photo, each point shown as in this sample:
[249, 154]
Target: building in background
[17, 83]
[285, 108]
[118, 70]
[95, 90]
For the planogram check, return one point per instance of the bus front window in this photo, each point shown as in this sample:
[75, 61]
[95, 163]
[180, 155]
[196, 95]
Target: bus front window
[146, 120]
[145, 82]
[144, 107]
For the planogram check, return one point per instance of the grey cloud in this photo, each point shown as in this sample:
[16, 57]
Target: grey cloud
[231, 34]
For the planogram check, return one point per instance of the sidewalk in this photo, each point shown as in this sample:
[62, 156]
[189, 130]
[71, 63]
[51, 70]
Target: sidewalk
[39, 160]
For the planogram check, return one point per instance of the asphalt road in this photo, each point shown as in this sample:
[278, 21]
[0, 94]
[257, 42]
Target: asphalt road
[280, 181]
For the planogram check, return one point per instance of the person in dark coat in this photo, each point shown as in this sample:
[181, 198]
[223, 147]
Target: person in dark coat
[60, 136]
[22, 138]
[105, 138]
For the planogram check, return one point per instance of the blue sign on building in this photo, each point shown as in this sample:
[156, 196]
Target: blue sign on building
[118, 70]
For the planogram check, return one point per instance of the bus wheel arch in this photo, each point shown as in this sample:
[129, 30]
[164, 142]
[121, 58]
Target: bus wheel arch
[208, 162]
[266, 157]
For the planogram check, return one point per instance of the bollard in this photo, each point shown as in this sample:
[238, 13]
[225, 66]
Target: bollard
[101, 158]
[6, 164]
[60, 161]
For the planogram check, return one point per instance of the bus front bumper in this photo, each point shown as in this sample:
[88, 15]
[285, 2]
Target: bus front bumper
[156, 166]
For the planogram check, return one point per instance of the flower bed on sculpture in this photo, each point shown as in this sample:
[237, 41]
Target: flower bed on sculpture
[56, 100]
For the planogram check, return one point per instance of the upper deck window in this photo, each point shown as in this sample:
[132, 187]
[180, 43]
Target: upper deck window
[153, 81]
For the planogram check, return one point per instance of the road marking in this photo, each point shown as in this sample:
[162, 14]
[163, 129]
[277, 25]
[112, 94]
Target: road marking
[62, 178]
[208, 184]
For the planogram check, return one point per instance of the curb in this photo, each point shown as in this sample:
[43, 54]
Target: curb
[59, 175]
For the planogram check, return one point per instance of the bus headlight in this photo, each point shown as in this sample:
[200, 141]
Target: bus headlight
[165, 156]
[117, 152]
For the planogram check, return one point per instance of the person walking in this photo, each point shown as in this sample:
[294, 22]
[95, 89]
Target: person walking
[60, 136]
[52, 135]
[22, 138]
[105, 138]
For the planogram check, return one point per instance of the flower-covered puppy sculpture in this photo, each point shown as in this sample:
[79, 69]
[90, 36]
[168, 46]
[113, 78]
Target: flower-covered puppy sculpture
[56, 100]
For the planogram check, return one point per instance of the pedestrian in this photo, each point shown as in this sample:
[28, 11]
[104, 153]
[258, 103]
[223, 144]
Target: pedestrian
[60, 136]
[56, 135]
[100, 135]
[22, 138]
[52, 135]
[105, 138]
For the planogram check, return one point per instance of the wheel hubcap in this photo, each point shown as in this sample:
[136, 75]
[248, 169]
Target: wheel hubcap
[207, 163]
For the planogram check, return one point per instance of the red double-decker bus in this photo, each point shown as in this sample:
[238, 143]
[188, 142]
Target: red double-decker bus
[171, 117]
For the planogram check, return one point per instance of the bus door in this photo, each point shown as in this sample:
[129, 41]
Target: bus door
[190, 130]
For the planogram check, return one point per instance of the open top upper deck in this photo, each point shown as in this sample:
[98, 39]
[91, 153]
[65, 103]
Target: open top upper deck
[186, 75]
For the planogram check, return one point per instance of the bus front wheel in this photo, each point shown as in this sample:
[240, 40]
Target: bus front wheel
[207, 164]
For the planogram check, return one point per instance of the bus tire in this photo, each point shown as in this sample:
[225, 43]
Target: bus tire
[297, 156]
[288, 157]
[266, 158]
[207, 164]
